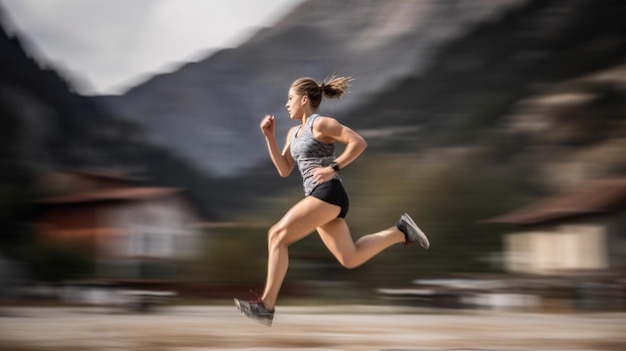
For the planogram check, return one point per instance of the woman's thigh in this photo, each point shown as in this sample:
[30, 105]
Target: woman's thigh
[303, 218]
[337, 238]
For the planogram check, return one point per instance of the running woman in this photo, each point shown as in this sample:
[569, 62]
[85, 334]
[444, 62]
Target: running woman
[311, 145]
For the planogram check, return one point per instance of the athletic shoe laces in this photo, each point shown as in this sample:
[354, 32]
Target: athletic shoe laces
[256, 297]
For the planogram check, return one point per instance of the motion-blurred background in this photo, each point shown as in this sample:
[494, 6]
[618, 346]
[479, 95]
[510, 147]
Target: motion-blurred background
[498, 125]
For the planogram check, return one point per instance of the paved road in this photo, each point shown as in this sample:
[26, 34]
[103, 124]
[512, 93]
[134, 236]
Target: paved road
[196, 328]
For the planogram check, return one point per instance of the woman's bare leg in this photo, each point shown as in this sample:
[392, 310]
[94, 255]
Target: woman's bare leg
[300, 221]
[336, 236]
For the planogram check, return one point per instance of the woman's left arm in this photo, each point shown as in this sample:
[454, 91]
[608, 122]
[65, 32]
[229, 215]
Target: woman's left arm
[329, 130]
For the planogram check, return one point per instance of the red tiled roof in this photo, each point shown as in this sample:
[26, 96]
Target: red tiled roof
[598, 196]
[111, 195]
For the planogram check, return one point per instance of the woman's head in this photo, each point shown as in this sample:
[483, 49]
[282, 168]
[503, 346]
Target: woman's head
[307, 90]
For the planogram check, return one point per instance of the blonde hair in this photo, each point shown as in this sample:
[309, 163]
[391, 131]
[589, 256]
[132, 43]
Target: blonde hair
[332, 87]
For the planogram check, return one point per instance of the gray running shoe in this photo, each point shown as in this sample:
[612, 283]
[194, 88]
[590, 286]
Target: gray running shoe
[255, 310]
[412, 233]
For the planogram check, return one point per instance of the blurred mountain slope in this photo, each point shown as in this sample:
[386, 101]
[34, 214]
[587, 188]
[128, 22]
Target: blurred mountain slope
[478, 89]
[47, 126]
[464, 91]
[483, 85]
[209, 111]
[474, 81]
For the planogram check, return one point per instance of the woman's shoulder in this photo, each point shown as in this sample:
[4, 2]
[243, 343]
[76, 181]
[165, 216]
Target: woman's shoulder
[326, 128]
[324, 121]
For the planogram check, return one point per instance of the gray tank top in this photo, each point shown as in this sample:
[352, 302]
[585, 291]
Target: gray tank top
[310, 153]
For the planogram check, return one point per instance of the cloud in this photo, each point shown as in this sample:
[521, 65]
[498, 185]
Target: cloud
[104, 46]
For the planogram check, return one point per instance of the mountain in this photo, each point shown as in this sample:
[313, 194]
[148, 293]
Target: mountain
[469, 108]
[533, 64]
[209, 111]
[47, 126]
[429, 74]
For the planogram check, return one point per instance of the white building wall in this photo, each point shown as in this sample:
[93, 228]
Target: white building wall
[565, 247]
[158, 228]
[591, 251]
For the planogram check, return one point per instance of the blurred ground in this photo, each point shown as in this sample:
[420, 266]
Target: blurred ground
[306, 328]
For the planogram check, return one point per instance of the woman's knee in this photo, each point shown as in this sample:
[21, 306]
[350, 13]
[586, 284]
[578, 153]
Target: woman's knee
[276, 235]
[348, 261]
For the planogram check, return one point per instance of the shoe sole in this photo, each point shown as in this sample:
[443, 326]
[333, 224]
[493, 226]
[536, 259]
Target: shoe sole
[424, 242]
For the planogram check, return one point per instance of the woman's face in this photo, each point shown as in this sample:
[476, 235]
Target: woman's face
[295, 104]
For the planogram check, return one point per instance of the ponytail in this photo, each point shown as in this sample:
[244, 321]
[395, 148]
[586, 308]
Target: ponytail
[332, 87]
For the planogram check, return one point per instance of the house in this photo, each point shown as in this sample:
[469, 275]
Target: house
[132, 232]
[580, 230]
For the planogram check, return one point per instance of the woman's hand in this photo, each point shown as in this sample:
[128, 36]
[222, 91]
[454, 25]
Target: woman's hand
[322, 174]
[268, 126]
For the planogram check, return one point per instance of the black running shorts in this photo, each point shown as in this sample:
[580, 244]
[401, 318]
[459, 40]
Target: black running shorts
[333, 193]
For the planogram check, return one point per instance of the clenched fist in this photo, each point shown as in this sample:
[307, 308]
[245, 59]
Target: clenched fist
[268, 126]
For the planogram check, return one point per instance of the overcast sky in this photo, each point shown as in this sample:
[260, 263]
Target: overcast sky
[107, 46]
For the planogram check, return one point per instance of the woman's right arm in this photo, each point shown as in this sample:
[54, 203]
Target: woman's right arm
[283, 161]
